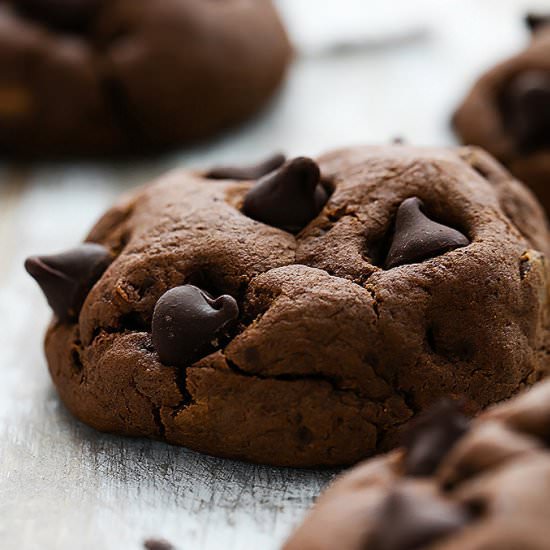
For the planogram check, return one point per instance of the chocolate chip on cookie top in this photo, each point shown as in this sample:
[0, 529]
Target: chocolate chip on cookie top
[66, 278]
[413, 517]
[526, 109]
[430, 437]
[63, 14]
[536, 20]
[186, 319]
[288, 198]
[251, 172]
[417, 237]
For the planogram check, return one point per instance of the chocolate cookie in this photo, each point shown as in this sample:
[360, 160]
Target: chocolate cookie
[508, 112]
[118, 76]
[487, 488]
[302, 318]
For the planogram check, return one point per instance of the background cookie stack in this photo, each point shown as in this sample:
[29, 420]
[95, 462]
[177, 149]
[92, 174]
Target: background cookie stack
[216, 85]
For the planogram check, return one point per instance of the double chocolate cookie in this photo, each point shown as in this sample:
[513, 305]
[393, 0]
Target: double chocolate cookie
[456, 485]
[117, 76]
[508, 112]
[300, 313]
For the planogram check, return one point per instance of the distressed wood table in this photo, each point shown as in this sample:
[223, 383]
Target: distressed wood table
[364, 72]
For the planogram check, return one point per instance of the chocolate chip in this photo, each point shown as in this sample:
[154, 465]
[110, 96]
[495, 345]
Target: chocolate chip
[252, 172]
[535, 21]
[430, 437]
[418, 238]
[526, 109]
[186, 320]
[288, 198]
[63, 14]
[413, 517]
[157, 544]
[67, 278]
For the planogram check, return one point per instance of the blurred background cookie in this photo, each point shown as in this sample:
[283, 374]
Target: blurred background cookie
[455, 485]
[507, 112]
[97, 77]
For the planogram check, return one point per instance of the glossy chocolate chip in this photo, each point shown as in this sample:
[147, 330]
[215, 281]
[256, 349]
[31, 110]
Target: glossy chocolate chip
[430, 437]
[413, 517]
[67, 278]
[73, 15]
[186, 320]
[252, 172]
[288, 198]
[526, 109]
[536, 20]
[418, 238]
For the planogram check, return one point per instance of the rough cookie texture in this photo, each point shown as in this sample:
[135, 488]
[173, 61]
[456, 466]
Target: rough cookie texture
[93, 76]
[507, 112]
[331, 353]
[489, 490]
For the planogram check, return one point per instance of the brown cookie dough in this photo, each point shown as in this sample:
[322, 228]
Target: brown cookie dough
[401, 275]
[126, 76]
[507, 112]
[488, 489]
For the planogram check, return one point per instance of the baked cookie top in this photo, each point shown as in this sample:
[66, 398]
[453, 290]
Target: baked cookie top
[507, 112]
[98, 76]
[456, 484]
[302, 316]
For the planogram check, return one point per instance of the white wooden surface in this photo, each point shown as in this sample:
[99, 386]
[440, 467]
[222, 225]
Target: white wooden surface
[64, 486]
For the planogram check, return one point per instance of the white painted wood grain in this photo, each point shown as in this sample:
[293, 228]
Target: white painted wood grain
[64, 486]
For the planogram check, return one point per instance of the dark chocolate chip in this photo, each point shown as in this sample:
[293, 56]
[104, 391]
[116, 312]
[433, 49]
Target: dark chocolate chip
[67, 278]
[157, 544]
[418, 238]
[186, 320]
[536, 20]
[74, 15]
[252, 172]
[413, 517]
[526, 109]
[288, 198]
[430, 437]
